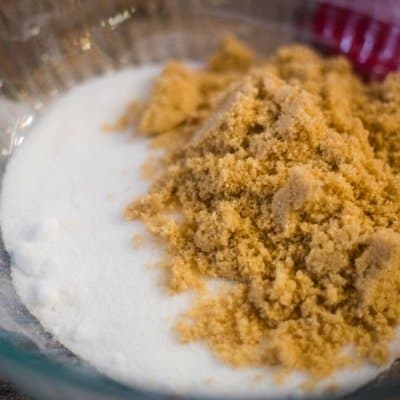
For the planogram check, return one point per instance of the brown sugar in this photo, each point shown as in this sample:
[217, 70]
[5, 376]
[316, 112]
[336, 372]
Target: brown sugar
[232, 55]
[174, 97]
[126, 120]
[285, 176]
[137, 241]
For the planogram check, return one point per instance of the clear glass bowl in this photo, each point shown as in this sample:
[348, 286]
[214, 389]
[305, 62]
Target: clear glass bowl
[48, 46]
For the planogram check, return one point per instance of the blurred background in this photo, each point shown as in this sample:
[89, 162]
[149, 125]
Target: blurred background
[40, 39]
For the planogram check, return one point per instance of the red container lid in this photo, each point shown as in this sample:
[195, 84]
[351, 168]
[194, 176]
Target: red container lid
[365, 31]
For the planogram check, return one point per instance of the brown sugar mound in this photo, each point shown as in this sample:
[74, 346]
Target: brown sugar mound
[174, 97]
[287, 188]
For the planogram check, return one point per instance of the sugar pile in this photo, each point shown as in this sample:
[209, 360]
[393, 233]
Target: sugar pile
[285, 178]
[73, 262]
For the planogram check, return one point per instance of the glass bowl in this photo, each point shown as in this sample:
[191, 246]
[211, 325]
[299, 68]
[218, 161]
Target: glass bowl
[48, 46]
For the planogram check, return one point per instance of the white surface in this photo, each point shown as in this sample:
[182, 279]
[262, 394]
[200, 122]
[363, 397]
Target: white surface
[74, 264]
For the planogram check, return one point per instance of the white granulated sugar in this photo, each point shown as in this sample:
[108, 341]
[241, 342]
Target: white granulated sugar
[74, 265]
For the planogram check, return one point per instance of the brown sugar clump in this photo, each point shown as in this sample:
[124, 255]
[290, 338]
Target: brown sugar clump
[232, 55]
[126, 120]
[285, 181]
[174, 97]
[137, 241]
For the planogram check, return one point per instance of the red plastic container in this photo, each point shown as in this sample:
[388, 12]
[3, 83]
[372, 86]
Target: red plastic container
[365, 31]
